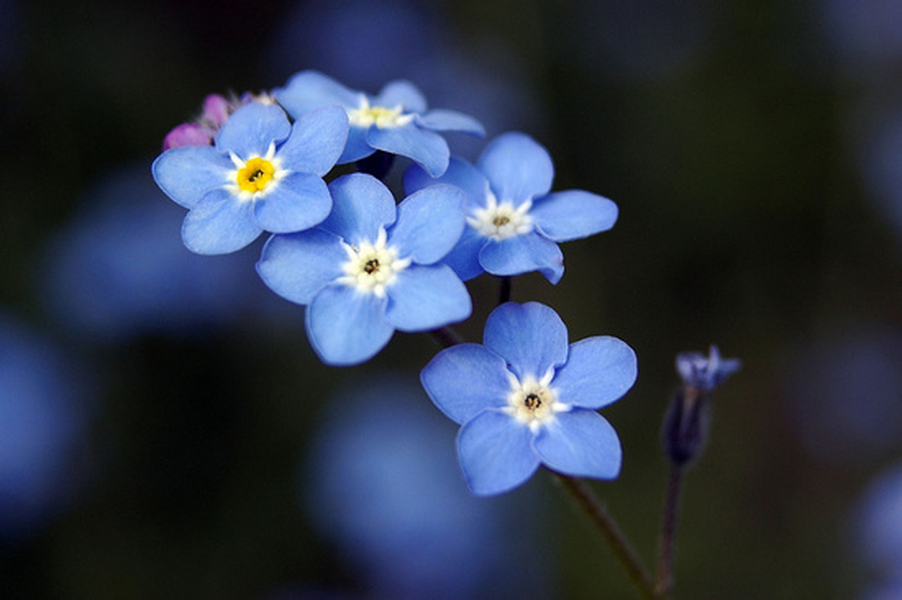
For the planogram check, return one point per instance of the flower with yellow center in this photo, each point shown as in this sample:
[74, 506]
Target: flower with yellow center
[382, 117]
[256, 176]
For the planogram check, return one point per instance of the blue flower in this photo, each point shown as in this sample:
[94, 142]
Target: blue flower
[395, 121]
[705, 372]
[262, 174]
[514, 222]
[525, 397]
[371, 268]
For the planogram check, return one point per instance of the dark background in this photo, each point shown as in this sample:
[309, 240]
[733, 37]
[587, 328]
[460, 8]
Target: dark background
[171, 405]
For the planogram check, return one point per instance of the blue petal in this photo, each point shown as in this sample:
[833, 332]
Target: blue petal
[298, 202]
[531, 337]
[464, 257]
[252, 128]
[357, 146]
[523, 254]
[466, 379]
[517, 167]
[495, 453]
[403, 93]
[580, 443]
[361, 205]
[219, 224]
[430, 222]
[345, 326]
[450, 120]
[599, 370]
[427, 297]
[428, 149]
[185, 174]
[573, 214]
[459, 173]
[317, 140]
[299, 265]
[311, 89]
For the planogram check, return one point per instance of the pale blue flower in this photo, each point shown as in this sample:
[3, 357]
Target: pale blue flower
[515, 224]
[526, 398]
[263, 174]
[371, 268]
[395, 121]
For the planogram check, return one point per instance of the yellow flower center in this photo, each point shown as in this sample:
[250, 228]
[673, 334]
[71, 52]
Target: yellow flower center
[255, 174]
[380, 116]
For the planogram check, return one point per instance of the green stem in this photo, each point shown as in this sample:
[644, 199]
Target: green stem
[623, 550]
[666, 544]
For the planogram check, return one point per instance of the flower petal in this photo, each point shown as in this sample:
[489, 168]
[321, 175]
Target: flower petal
[298, 202]
[573, 214]
[346, 327]
[427, 297]
[580, 443]
[523, 254]
[450, 120]
[531, 337]
[495, 453]
[317, 140]
[186, 173]
[403, 93]
[599, 370]
[459, 173]
[464, 257]
[299, 265]
[357, 147]
[361, 205]
[219, 224]
[430, 223]
[311, 89]
[464, 380]
[252, 128]
[517, 167]
[428, 149]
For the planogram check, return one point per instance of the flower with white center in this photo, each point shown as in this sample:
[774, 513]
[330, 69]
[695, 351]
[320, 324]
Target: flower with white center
[395, 121]
[525, 397]
[262, 174]
[372, 267]
[515, 223]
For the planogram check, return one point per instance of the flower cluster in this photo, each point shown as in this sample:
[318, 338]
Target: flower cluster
[365, 265]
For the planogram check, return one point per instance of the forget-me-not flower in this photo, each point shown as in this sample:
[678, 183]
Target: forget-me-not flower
[395, 121]
[526, 398]
[514, 222]
[263, 173]
[372, 267]
[705, 372]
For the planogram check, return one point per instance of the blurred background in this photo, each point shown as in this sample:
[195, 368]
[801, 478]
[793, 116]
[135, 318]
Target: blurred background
[166, 431]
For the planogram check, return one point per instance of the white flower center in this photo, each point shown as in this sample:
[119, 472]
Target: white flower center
[532, 402]
[499, 221]
[256, 176]
[381, 116]
[371, 268]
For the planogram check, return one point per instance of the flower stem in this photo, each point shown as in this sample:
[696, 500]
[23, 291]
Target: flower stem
[623, 550]
[504, 295]
[666, 543]
[446, 337]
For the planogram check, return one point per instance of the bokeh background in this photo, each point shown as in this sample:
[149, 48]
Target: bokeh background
[166, 431]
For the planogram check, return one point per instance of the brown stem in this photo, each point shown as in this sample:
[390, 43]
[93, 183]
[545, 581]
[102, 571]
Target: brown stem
[629, 560]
